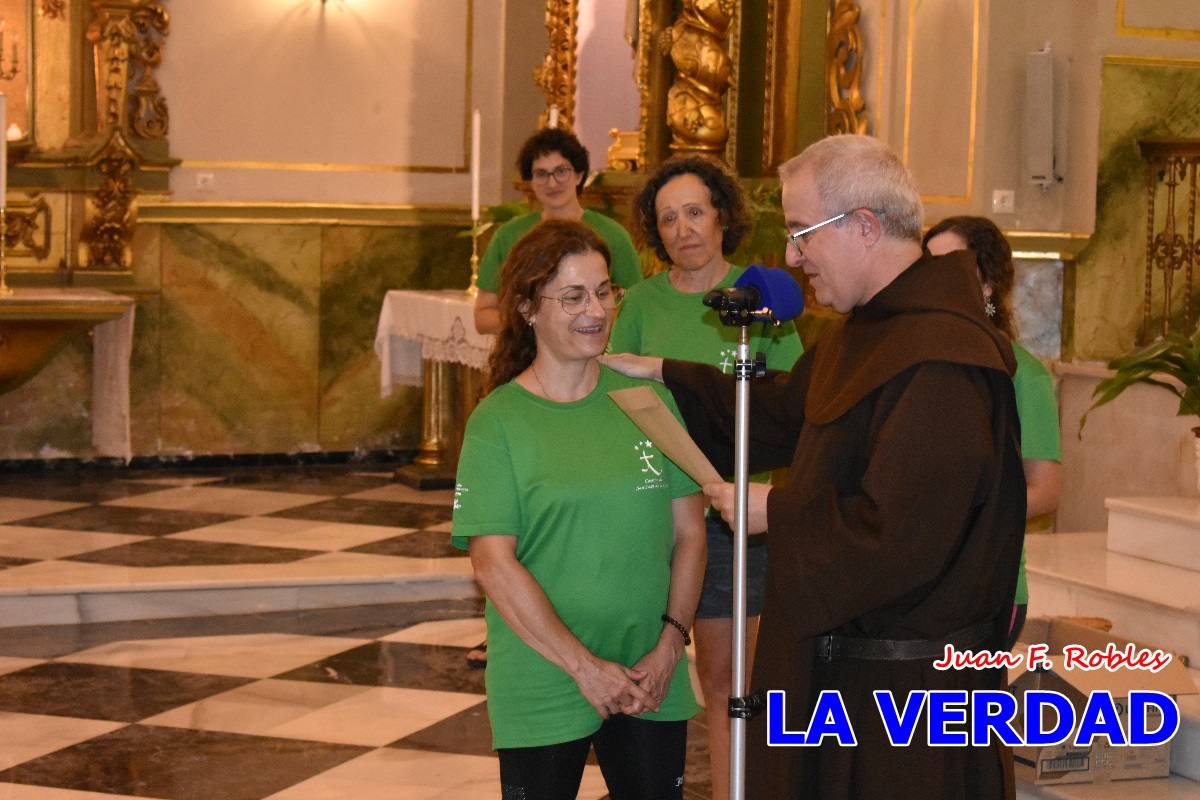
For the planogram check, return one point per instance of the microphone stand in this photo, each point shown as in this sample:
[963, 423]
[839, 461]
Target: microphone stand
[741, 707]
[743, 371]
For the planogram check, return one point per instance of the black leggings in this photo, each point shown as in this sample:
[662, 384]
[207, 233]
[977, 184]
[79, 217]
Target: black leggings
[640, 760]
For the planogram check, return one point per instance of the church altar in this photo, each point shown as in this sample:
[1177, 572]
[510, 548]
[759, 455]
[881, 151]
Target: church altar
[37, 322]
[428, 339]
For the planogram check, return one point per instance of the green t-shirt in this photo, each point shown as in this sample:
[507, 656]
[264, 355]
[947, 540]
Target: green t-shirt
[1037, 409]
[626, 266]
[589, 500]
[659, 320]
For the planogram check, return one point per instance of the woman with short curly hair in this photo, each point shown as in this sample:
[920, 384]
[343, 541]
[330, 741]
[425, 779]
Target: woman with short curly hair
[555, 165]
[693, 213]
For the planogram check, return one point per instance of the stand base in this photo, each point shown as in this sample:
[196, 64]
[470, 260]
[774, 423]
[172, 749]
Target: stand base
[422, 476]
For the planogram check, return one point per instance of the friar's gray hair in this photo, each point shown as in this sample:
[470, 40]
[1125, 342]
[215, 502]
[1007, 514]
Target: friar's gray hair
[852, 172]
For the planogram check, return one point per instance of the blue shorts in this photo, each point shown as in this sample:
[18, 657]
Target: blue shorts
[716, 596]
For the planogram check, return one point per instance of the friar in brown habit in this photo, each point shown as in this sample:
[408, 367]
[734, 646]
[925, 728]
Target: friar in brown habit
[899, 527]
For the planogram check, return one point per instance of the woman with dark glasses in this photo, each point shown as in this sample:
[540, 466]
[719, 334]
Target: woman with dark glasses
[555, 164]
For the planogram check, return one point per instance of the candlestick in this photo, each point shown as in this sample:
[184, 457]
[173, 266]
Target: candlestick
[3, 151]
[4, 290]
[475, 123]
[473, 288]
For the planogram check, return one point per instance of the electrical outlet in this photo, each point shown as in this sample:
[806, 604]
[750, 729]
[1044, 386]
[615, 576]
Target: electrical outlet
[205, 181]
[1004, 201]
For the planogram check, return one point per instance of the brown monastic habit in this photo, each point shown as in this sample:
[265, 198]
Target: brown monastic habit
[902, 518]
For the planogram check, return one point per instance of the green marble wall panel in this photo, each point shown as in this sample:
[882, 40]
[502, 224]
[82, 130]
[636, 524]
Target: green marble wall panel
[249, 338]
[359, 266]
[239, 333]
[1137, 102]
[147, 257]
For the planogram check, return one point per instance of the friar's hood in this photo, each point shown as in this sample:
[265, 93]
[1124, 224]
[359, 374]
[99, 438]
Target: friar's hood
[932, 311]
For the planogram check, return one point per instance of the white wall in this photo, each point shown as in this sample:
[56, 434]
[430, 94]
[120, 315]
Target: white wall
[925, 68]
[348, 101]
[1134, 446]
[606, 93]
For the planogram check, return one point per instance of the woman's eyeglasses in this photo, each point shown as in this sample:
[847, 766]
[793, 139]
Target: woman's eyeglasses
[576, 301]
[560, 174]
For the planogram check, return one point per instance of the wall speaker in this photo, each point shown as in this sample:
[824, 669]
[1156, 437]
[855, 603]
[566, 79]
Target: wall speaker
[1038, 163]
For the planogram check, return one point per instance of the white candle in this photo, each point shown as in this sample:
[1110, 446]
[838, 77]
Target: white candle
[554, 116]
[475, 165]
[3, 152]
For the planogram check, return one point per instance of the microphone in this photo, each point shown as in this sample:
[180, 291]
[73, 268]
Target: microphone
[761, 293]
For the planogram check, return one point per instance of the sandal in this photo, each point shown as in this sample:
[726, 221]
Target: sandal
[477, 656]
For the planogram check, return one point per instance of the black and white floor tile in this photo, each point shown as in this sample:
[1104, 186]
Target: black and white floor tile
[365, 702]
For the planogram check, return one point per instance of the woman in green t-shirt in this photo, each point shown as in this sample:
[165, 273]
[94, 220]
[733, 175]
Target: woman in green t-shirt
[586, 540]
[692, 212]
[1037, 408]
[555, 164]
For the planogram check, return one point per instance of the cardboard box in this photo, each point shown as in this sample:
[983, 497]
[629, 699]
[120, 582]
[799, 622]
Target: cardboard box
[1067, 763]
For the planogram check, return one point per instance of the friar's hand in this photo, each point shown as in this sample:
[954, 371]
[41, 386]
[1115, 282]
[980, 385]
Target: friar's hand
[722, 496]
[634, 366]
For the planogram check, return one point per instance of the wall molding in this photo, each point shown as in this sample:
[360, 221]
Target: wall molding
[253, 213]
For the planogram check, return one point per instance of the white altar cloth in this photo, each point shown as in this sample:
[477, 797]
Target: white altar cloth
[435, 324]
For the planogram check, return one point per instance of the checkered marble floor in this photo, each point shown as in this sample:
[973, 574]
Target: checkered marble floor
[167, 528]
[365, 702]
[362, 702]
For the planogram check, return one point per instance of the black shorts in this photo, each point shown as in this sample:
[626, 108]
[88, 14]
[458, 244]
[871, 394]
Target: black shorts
[716, 597]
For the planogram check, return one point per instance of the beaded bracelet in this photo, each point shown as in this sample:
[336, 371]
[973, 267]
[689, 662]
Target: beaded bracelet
[667, 618]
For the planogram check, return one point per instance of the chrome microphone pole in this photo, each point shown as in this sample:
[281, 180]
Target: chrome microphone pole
[743, 374]
[741, 307]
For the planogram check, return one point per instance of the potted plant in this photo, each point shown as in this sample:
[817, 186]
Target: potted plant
[1174, 356]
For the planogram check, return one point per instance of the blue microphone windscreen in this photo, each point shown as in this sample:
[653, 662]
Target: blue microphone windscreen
[780, 291]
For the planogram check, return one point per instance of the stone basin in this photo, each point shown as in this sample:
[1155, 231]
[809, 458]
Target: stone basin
[36, 322]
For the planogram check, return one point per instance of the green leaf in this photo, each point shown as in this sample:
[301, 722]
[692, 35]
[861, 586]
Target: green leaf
[1173, 356]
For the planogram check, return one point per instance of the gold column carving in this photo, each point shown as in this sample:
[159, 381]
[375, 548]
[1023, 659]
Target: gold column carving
[556, 75]
[697, 44]
[843, 70]
[126, 37]
[24, 221]
[1171, 163]
[53, 9]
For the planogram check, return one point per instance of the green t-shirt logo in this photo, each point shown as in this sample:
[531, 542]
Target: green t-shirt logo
[727, 358]
[653, 479]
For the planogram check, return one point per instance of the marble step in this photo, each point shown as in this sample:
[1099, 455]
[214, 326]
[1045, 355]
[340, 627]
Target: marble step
[63, 593]
[1162, 529]
[1073, 574]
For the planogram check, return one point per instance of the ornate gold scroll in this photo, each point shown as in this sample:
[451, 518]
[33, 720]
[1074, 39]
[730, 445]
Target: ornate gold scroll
[53, 9]
[843, 70]
[1171, 165]
[27, 228]
[556, 75]
[126, 37]
[697, 44]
